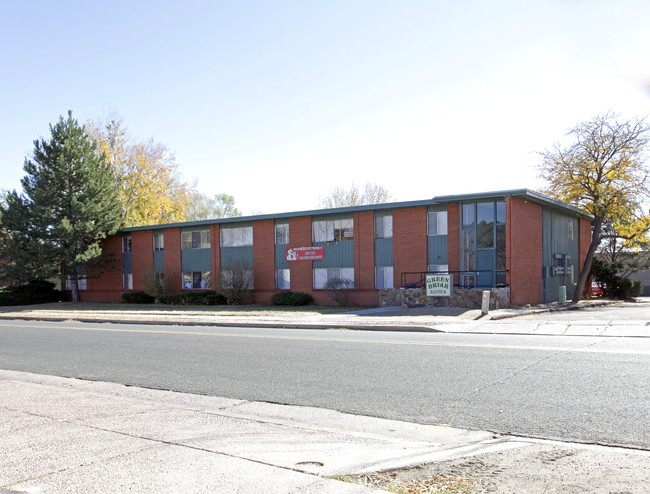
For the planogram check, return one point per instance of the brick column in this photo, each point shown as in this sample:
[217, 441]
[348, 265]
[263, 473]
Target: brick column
[524, 251]
[364, 250]
[173, 272]
[142, 257]
[300, 271]
[409, 242]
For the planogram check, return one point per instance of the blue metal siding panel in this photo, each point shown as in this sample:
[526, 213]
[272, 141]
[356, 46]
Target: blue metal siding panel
[159, 261]
[241, 257]
[127, 262]
[280, 256]
[555, 240]
[195, 259]
[438, 250]
[337, 255]
[383, 252]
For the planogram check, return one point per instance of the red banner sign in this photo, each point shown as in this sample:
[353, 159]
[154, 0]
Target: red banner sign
[315, 253]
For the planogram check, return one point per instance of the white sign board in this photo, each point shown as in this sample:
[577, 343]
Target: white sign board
[440, 285]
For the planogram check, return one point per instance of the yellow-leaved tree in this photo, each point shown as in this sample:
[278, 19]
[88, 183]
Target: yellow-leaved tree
[604, 172]
[151, 190]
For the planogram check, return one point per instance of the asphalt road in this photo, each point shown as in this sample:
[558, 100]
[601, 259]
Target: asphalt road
[587, 389]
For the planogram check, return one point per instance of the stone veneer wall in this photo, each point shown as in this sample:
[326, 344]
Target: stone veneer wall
[470, 299]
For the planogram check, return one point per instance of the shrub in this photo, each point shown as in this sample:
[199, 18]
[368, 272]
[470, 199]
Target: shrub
[197, 298]
[235, 284]
[614, 286]
[340, 290]
[33, 292]
[138, 298]
[291, 298]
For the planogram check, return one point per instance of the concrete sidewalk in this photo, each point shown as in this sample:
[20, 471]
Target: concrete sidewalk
[61, 435]
[423, 319]
[68, 435]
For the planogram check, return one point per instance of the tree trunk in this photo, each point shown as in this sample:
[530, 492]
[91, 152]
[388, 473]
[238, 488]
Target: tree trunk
[75, 291]
[586, 269]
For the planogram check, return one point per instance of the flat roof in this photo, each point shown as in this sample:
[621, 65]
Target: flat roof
[525, 194]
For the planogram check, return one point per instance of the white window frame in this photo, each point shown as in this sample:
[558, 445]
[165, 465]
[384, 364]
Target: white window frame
[283, 279]
[158, 242]
[332, 230]
[195, 239]
[127, 244]
[127, 281]
[204, 283]
[237, 237]
[438, 268]
[440, 226]
[281, 233]
[323, 275]
[384, 277]
[384, 226]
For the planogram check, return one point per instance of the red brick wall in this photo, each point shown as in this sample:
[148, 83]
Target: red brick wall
[524, 251]
[453, 237]
[108, 286]
[173, 266]
[364, 251]
[142, 257]
[264, 260]
[409, 242]
[300, 271]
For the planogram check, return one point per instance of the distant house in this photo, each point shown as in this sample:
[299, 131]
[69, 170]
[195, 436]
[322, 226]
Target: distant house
[522, 241]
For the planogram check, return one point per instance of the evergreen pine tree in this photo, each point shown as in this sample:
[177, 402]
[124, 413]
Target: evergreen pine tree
[69, 205]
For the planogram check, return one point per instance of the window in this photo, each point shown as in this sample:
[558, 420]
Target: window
[384, 226]
[469, 214]
[127, 281]
[384, 277]
[323, 275]
[82, 283]
[282, 234]
[485, 225]
[282, 279]
[333, 230]
[126, 244]
[237, 278]
[158, 242]
[438, 268]
[197, 280]
[570, 233]
[437, 223]
[196, 240]
[237, 237]
[158, 278]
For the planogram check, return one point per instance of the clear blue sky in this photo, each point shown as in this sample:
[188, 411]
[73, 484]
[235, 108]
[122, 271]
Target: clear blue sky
[275, 102]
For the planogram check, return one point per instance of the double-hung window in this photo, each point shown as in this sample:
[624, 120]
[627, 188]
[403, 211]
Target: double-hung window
[437, 223]
[127, 281]
[384, 226]
[158, 242]
[200, 280]
[282, 279]
[196, 240]
[126, 244]
[281, 233]
[324, 275]
[384, 277]
[333, 230]
[237, 237]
